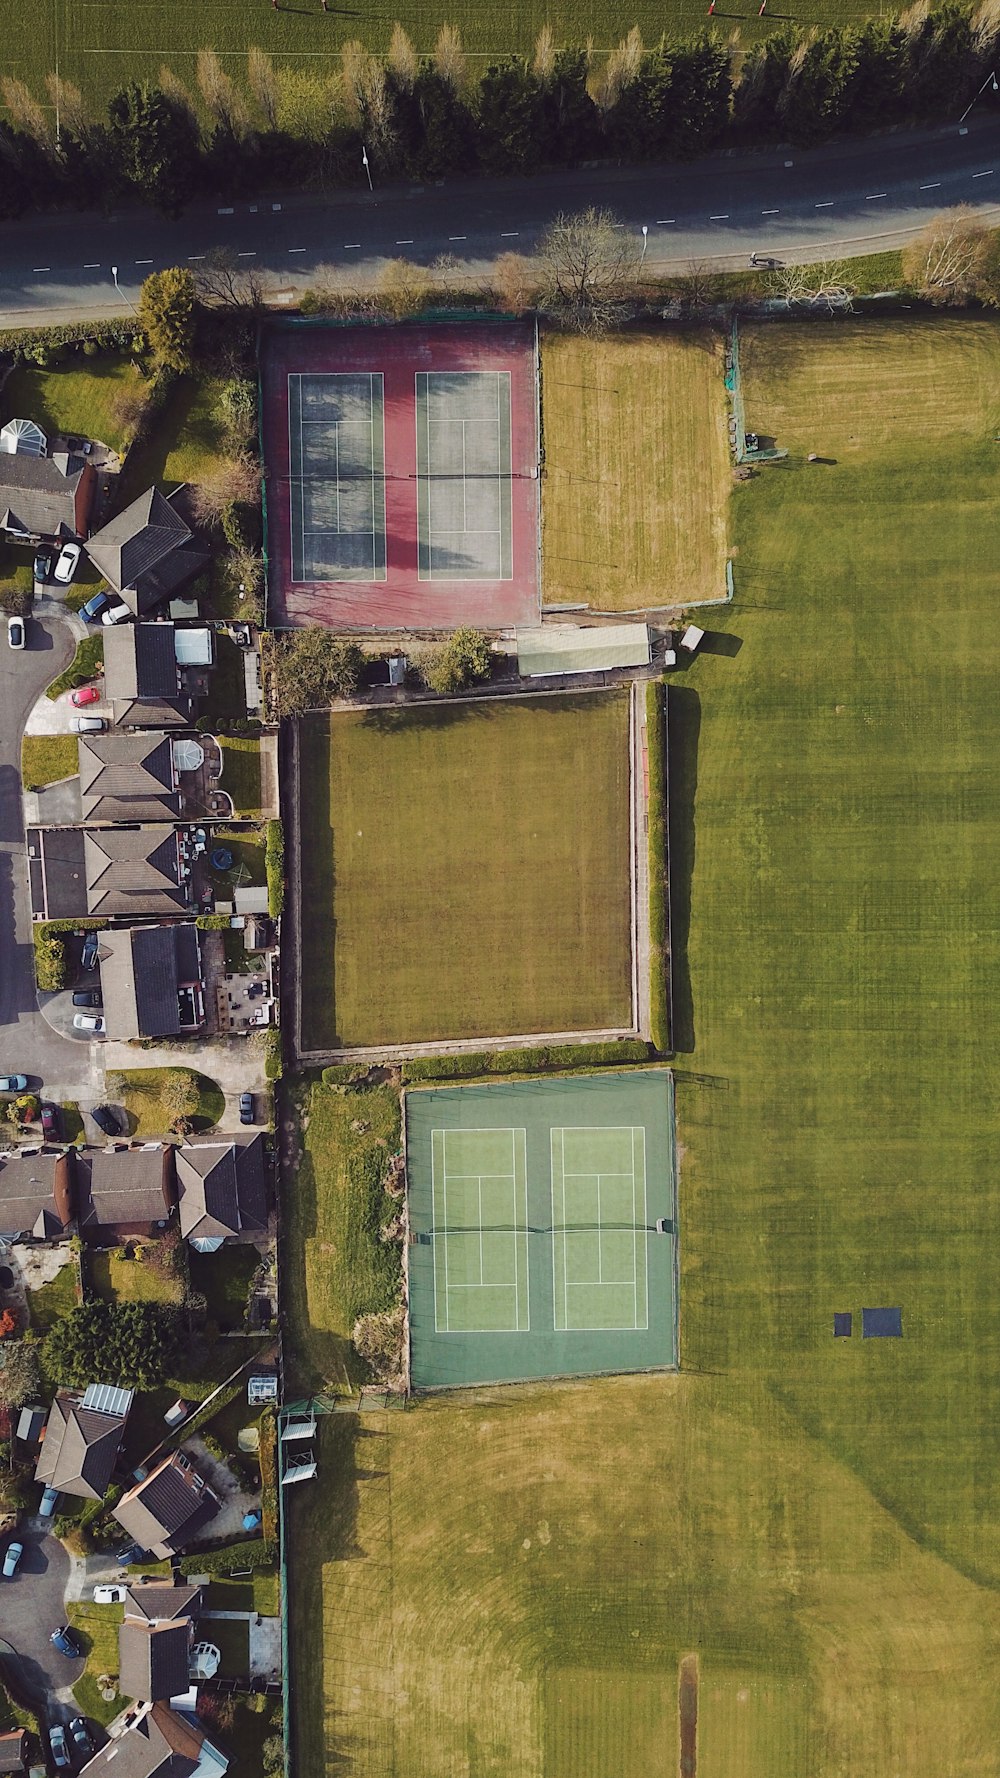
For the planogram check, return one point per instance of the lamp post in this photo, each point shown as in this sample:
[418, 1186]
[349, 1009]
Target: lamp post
[364, 163]
[645, 242]
[121, 293]
[991, 80]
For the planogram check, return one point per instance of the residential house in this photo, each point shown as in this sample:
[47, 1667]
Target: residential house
[128, 777]
[222, 1191]
[147, 552]
[36, 1196]
[14, 1753]
[160, 1604]
[45, 497]
[158, 1743]
[164, 1511]
[82, 1438]
[127, 872]
[143, 679]
[154, 1658]
[122, 1192]
[151, 980]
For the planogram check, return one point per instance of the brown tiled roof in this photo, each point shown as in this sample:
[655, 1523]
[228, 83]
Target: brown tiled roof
[162, 1602]
[166, 1510]
[80, 1448]
[36, 1195]
[147, 551]
[222, 1188]
[122, 1187]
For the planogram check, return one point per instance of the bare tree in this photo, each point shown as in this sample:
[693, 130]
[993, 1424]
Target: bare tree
[450, 59]
[544, 60]
[701, 284]
[619, 71]
[19, 1376]
[354, 61]
[514, 281]
[263, 85]
[986, 28]
[231, 481]
[403, 61]
[944, 263]
[26, 113]
[223, 101]
[827, 285]
[177, 93]
[67, 101]
[226, 282]
[588, 266]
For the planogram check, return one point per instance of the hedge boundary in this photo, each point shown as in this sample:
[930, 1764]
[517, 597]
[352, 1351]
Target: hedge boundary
[659, 931]
[547, 1059]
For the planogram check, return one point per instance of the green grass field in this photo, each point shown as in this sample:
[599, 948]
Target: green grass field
[816, 1520]
[637, 470]
[101, 47]
[465, 871]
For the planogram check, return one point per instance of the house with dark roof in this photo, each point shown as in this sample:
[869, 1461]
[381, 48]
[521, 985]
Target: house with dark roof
[222, 1191]
[151, 980]
[123, 873]
[121, 1192]
[128, 777]
[161, 1604]
[14, 1752]
[82, 1438]
[147, 552]
[156, 1742]
[45, 497]
[154, 1657]
[169, 1507]
[36, 1196]
[142, 678]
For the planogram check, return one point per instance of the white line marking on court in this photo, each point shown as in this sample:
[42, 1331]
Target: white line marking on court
[872, 195]
[986, 175]
[770, 212]
[933, 186]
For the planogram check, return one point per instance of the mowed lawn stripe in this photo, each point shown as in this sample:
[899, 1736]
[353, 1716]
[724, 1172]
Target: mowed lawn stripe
[637, 473]
[465, 871]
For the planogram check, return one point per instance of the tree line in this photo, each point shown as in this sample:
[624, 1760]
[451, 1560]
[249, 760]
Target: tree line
[429, 116]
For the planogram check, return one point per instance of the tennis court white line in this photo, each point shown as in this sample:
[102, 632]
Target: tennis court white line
[518, 1182]
[374, 378]
[494, 534]
[561, 1229]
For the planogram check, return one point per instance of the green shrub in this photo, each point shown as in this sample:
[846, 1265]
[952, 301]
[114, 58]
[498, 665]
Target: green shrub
[86, 664]
[50, 960]
[212, 922]
[659, 935]
[272, 1055]
[344, 1074]
[465, 659]
[614, 1054]
[256, 1552]
[274, 865]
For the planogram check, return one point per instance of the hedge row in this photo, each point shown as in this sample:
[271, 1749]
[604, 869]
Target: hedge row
[255, 1553]
[50, 950]
[272, 1055]
[268, 1454]
[274, 865]
[528, 1061]
[659, 961]
[117, 335]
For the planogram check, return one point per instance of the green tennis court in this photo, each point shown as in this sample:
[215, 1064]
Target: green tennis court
[543, 1228]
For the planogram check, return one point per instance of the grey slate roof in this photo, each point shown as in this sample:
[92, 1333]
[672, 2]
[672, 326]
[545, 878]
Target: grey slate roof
[124, 1187]
[222, 1188]
[132, 870]
[166, 1510]
[126, 771]
[153, 1659]
[160, 1603]
[160, 1744]
[35, 1195]
[14, 1751]
[141, 971]
[147, 551]
[152, 712]
[80, 1448]
[37, 497]
[139, 661]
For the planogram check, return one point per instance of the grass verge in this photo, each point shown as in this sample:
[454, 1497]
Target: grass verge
[98, 1629]
[50, 1302]
[151, 1098]
[86, 664]
[241, 772]
[46, 759]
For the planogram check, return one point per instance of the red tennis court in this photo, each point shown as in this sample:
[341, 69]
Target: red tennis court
[402, 475]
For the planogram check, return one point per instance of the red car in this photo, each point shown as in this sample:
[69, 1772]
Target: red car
[85, 694]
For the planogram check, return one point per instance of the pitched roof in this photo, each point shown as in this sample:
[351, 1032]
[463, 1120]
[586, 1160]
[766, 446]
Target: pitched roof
[126, 770]
[159, 1744]
[132, 870]
[36, 1195]
[147, 551]
[122, 1187]
[14, 1751]
[170, 1507]
[153, 1658]
[222, 1188]
[80, 1448]
[36, 495]
[161, 1603]
[141, 973]
[153, 712]
[139, 661]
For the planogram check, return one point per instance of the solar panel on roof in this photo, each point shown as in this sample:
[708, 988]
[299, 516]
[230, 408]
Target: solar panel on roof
[104, 1398]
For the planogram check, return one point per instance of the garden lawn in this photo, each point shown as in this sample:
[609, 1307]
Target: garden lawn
[248, 860]
[334, 1265]
[241, 772]
[232, 1639]
[147, 1100]
[183, 441]
[98, 1627]
[46, 759]
[637, 469]
[816, 1519]
[130, 1280]
[465, 871]
[50, 1302]
[223, 1279]
[76, 396]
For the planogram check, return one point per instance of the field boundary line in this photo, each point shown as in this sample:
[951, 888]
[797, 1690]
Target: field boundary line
[462, 1046]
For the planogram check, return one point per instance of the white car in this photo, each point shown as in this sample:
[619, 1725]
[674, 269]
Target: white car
[109, 1595]
[15, 632]
[87, 725]
[117, 613]
[89, 1021]
[65, 568]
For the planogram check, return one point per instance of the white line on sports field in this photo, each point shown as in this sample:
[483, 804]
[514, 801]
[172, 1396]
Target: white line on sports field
[987, 175]
[932, 187]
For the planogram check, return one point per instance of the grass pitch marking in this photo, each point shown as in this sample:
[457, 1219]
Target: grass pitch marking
[479, 1182]
[336, 462]
[599, 1270]
[464, 458]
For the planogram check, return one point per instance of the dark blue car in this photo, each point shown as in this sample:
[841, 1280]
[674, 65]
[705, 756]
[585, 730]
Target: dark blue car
[91, 612]
[64, 1639]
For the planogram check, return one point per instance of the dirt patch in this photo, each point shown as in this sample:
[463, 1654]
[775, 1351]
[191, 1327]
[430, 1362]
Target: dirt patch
[687, 1711]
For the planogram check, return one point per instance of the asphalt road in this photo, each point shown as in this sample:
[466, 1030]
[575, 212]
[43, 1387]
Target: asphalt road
[840, 200]
[32, 1606]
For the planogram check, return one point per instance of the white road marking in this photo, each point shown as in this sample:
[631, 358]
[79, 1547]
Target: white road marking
[251, 255]
[458, 237]
[193, 256]
[92, 265]
[826, 205]
[872, 195]
[511, 234]
[407, 241]
[298, 249]
[665, 221]
[723, 218]
[143, 262]
[987, 175]
[770, 212]
[932, 187]
[228, 211]
[41, 268]
[347, 245]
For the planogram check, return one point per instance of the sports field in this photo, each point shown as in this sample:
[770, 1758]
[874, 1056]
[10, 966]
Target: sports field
[637, 472]
[101, 47]
[535, 1208]
[403, 467]
[465, 871]
[816, 1518]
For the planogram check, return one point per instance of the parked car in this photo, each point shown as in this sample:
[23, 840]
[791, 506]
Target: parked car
[87, 725]
[106, 1120]
[15, 632]
[42, 566]
[50, 1120]
[110, 1595]
[65, 1640]
[59, 1746]
[89, 1021]
[116, 613]
[85, 694]
[91, 612]
[13, 1083]
[87, 997]
[66, 566]
[50, 1500]
[133, 1552]
[13, 1556]
[91, 946]
[246, 1108]
[81, 1737]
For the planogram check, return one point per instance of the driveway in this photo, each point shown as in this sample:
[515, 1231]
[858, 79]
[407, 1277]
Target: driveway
[28, 1045]
[31, 1607]
[236, 1064]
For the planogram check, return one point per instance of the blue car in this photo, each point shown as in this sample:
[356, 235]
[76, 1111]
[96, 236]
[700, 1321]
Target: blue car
[50, 1500]
[92, 611]
[65, 1641]
[60, 1752]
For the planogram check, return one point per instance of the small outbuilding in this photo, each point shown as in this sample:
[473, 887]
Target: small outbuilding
[556, 649]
